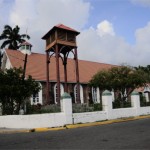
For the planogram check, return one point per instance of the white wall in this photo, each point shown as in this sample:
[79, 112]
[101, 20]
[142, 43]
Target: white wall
[89, 117]
[122, 113]
[32, 121]
[144, 110]
[6, 62]
[66, 116]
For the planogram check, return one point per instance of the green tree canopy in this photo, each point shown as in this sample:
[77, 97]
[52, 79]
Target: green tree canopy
[12, 38]
[122, 79]
[14, 91]
[144, 69]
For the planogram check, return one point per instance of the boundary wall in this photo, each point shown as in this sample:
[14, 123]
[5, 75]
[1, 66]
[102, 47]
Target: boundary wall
[67, 117]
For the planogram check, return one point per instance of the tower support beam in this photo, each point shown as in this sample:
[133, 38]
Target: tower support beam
[47, 76]
[57, 74]
[77, 76]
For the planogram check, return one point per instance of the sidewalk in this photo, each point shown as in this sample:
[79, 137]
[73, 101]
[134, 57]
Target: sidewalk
[12, 130]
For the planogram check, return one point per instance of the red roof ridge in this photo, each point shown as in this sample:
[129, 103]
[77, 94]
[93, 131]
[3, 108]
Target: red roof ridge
[70, 58]
[62, 26]
[97, 62]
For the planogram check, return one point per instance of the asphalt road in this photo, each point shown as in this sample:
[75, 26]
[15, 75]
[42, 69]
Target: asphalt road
[124, 135]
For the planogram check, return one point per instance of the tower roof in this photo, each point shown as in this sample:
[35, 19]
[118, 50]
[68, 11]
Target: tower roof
[25, 43]
[60, 26]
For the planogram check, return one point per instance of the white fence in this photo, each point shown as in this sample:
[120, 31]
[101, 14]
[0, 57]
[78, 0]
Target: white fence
[67, 117]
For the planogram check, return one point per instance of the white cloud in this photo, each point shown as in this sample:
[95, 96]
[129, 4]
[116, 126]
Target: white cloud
[96, 44]
[46, 13]
[142, 37]
[104, 28]
[108, 48]
[39, 16]
[145, 3]
[114, 49]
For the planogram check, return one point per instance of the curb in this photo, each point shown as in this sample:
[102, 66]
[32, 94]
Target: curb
[47, 129]
[72, 126]
[106, 122]
[8, 131]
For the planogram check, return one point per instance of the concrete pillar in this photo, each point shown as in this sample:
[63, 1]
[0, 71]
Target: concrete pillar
[135, 102]
[66, 107]
[107, 103]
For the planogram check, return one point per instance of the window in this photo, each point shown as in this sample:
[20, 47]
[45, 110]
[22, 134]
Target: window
[81, 93]
[37, 97]
[23, 47]
[27, 47]
[95, 95]
[55, 92]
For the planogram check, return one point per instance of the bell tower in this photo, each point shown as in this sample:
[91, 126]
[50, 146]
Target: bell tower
[60, 41]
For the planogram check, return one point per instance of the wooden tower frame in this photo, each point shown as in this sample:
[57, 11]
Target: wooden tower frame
[60, 41]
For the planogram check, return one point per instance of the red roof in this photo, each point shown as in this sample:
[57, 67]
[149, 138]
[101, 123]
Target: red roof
[60, 26]
[36, 67]
[65, 27]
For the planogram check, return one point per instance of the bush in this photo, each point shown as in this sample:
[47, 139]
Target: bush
[120, 104]
[50, 108]
[39, 109]
[78, 108]
[97, 107]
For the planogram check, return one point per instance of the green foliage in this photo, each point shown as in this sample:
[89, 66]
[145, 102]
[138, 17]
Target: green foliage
[12, 38]
[96, 107]
[1, 56]
[14, 90]
[100, 79]
[146, 70]
[39, 109]
[121, 104]
[79, 108]
[121, 79]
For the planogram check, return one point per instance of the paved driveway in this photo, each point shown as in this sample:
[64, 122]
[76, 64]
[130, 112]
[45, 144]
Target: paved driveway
[124, 135]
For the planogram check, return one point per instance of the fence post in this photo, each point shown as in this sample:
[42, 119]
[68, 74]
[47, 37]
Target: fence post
[66, 107]
[107, 103]
[135, 102]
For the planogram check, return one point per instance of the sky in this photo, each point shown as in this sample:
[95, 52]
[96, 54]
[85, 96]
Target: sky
[111, 31]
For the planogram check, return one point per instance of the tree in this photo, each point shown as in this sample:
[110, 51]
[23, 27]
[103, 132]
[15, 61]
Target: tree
[145, 69]
[12, 38]
[14, 91]
[1, 56]
[122, 80]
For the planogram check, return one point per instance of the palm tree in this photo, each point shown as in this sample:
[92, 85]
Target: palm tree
[12, 38]
[1, 56]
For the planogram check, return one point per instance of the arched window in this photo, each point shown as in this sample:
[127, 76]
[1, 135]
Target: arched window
[81, 94]
[55, 92]
[95, 95]
[37, 97]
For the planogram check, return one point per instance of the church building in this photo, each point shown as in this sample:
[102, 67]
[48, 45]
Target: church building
[50, 71]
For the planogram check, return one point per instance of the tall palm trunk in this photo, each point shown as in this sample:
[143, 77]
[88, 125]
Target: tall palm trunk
[1, 59]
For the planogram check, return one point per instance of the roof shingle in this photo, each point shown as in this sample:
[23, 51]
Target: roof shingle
[36, 67]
